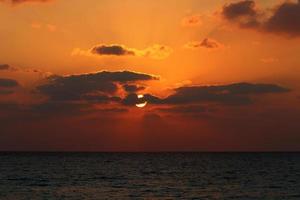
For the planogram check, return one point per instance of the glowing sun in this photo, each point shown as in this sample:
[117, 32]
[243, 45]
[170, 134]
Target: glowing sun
[141, 105]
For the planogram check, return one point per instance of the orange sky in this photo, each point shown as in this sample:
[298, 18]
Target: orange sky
[216, 75]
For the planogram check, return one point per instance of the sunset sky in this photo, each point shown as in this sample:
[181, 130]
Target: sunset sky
[144, 75]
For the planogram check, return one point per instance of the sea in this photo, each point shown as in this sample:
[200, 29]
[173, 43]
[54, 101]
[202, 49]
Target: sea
[220, 176]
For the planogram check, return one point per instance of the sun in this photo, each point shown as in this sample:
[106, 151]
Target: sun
[141, 105]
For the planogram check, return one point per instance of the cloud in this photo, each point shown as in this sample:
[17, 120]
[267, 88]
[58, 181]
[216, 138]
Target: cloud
[206, 43]
[4, 67]
[99, 86]
[81, 94]
[24, 1]
[243, 12]
[132, 99]
[78, 93]
[283, 19]
[233, 94]
[133, 88]
[7, 86]
[191, 21]
[156, 51]
[116, 50]
[8, 83]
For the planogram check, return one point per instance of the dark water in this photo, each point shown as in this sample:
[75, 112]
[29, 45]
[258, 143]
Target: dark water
[150, 176]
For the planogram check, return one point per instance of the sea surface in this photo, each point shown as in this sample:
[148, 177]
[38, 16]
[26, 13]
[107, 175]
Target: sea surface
[150, 176]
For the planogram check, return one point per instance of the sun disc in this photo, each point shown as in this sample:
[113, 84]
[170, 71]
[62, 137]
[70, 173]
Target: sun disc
[141, 105]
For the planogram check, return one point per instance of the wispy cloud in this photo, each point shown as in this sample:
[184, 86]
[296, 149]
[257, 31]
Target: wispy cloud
[207, 43]
[191, 21]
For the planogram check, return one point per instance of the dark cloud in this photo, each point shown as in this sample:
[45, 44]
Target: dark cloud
[116, 50]
[8, 83]
[153, 99]
[239, 9]
[284, 19]
[97, 86]
[233, 94]
[4, 67]
[133, 88]
[7, 86]
[132, 99]
[243, 12]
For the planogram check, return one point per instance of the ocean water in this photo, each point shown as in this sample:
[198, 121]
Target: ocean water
[150, 176]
